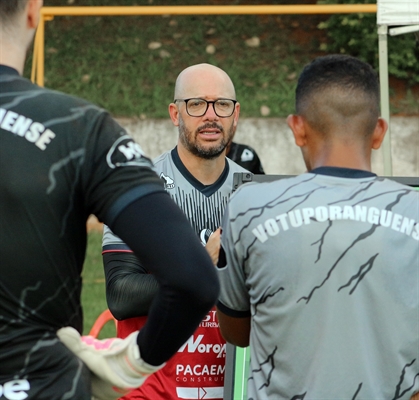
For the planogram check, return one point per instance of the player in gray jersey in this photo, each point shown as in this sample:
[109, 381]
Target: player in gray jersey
[319, 273]
[199, 178]
[203, 205]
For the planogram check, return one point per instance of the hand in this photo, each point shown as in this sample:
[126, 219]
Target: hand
[213, 245]
[116, 364]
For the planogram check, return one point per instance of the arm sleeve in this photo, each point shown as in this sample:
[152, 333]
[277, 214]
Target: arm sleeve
[234, 299]
[130, 288]
[161, 237]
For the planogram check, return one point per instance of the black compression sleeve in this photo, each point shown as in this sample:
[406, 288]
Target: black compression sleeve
[158, 232]
[130, 288]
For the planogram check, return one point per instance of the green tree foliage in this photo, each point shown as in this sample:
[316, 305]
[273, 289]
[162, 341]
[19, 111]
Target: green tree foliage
[356, 34]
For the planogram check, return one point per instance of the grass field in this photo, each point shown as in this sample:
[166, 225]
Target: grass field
[93, 293]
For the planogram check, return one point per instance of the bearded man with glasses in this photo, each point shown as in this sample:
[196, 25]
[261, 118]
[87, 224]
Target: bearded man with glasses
[241, 154]
[199, 178]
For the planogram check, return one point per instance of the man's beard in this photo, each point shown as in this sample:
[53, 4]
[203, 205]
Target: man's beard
[189, 141]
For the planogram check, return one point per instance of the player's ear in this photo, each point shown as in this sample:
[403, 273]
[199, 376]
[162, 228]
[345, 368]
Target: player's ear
[296, 123]
[174, 113]
[33, 13]
[236, 114]
[379, 133]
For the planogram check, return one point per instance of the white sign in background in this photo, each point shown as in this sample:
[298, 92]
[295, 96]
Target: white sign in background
[397, 12]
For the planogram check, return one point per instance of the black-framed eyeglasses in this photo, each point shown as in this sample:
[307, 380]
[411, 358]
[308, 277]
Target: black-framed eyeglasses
[198, 107]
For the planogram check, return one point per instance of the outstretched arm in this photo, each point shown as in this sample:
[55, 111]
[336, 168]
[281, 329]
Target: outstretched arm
[155, 228]
[157, 231]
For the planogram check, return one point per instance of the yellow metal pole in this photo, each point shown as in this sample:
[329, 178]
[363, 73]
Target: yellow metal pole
[213, 10]
[38, 63]
[40, 57]
[35, 54]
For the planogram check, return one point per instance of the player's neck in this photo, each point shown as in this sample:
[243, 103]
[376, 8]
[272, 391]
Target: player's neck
[205, 171]
[353, 160]
[11, 55]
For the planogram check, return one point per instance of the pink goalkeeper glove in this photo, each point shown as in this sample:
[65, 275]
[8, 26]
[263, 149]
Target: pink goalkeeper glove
[116, 364]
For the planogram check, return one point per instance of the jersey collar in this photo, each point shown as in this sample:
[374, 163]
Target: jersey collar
[343, 172]
[206, 190]
[5, 70]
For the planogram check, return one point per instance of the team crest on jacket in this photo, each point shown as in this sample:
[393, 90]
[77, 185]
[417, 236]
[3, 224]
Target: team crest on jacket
[125, 152]
[169, 183]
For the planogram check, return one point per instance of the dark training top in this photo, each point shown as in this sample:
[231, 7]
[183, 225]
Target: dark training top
[59, 159]
[246, 157]
[62, 159]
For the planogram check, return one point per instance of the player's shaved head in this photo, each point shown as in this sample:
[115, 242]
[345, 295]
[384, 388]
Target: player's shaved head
[195, 81]
[339, 94]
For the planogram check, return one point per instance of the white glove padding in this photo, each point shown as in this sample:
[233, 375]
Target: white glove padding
[115, 363]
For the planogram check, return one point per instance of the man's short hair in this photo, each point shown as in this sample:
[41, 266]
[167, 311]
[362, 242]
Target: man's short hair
[339, 91]
[337, 71]
[10, 8]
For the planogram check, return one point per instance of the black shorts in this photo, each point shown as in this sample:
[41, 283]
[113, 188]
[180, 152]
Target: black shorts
[42, 370]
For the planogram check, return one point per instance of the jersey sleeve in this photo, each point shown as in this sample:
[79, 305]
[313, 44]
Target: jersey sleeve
[112, 243]
[115, 170]
[130, 288]
[234, 298]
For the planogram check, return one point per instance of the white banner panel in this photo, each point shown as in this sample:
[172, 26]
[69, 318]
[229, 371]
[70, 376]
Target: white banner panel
[397, 12]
